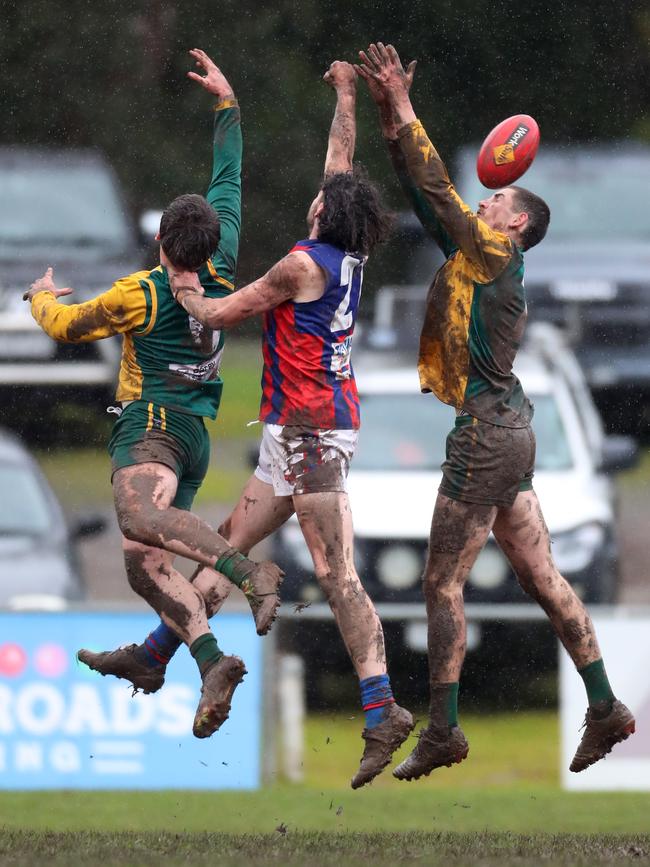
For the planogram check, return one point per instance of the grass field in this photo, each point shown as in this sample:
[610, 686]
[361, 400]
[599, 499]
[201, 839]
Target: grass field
[503, 806]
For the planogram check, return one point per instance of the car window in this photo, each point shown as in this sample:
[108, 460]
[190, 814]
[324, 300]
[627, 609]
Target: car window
[408, 432]
[575, 190]
[26, 510]
[66, 205]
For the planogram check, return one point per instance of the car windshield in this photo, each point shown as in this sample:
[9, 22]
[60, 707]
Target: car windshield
[64, 205]
[576, 190]
[24, 509]
[408, 432]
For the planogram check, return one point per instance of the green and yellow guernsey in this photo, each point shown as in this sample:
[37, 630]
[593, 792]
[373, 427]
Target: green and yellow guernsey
[476, 306]
[168, 358]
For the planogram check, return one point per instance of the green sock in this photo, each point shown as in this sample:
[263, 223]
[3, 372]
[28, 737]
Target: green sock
[234, 566]
[596, 682]
[443, 707]
[206, 652]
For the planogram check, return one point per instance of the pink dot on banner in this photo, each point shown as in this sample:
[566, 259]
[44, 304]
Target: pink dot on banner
[13, 660]
[50, 660]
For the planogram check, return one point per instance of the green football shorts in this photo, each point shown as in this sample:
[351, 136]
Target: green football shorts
[487, 464]
[146, 432]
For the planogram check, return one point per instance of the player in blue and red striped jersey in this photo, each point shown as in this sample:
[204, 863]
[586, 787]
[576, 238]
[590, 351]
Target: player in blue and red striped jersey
[310, 411]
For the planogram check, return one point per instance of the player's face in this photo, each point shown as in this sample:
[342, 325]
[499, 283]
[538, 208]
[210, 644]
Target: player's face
[499, 210]
[314, 209]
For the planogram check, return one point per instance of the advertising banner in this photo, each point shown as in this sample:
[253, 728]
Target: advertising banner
[625, 645]
[65, 726]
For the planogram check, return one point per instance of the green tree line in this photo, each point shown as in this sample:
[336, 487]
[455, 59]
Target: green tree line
[111, 75]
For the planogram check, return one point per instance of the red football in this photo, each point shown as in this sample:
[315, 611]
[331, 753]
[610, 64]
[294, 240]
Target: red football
[507, 151]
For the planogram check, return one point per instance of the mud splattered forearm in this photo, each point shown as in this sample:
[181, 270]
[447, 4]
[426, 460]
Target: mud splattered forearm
[343, 132]
[281, 282]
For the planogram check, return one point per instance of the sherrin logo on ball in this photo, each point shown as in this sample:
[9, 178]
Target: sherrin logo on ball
[508, 151]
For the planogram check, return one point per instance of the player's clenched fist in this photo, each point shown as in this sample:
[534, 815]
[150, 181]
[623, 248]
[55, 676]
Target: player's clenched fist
[340, 74]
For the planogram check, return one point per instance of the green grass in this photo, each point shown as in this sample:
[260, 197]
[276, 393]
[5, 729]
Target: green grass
[509, 784]
[503, 806]
[330, 850]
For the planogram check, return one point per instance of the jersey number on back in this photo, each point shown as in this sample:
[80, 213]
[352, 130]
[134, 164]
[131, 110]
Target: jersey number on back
[342, 320]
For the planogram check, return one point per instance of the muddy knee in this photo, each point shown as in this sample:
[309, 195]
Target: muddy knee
[139, 525]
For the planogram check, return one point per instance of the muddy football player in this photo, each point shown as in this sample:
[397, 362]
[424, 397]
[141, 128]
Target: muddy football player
[168, 383]
[473, 325]
[310, 411]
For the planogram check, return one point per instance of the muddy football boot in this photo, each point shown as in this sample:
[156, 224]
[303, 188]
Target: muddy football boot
[602, 734]
[381, 743]
[261, 589]
[127, 663]
[436, 748]
[219, 683]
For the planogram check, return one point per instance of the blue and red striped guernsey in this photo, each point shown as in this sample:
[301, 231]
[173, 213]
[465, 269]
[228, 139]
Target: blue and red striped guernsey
[308, 378]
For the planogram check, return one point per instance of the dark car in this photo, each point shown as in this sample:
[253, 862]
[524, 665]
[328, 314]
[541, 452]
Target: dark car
[60, 207]
[39, 566]
[590, 276]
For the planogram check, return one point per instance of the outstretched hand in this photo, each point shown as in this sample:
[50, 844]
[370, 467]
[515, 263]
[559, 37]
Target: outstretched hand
[214, 80]
[341, 75]
[45, 284]
[382, 70]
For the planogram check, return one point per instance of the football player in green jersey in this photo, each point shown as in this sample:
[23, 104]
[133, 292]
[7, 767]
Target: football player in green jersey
[473, 323]
[168, 383]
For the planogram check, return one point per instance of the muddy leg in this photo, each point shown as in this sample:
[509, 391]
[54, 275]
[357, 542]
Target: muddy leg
[522, 534]
[257, 514]
[180, 605]
[143, 495]
[326, 523]
[458, 533]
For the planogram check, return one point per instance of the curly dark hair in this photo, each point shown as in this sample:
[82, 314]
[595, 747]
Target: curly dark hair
[539, 216]
[189, 231]
[354, 217]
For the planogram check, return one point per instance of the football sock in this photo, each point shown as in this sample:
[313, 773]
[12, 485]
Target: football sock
[443, 706]
[160, 645]
[234, 566]
[596, 683]
[206, 652]
[376, 697]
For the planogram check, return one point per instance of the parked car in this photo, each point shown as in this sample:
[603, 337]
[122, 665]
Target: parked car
[395, 475]
[591, 274]
[39, 565]
[60, 207]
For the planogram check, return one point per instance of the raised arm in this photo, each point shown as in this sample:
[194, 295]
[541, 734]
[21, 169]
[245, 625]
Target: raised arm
[389, 126]
[488, 250]
[343, 131]
[224, 192]
[296, 274]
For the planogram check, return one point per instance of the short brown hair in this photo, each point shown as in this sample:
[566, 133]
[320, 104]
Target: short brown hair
[539, 216]
[189, 231]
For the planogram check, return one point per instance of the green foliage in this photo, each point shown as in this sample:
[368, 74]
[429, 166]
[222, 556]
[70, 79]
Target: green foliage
[112, 76]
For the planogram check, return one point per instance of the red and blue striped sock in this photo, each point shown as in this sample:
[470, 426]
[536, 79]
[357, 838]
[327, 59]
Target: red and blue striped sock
[160, 645]
[376, 697]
